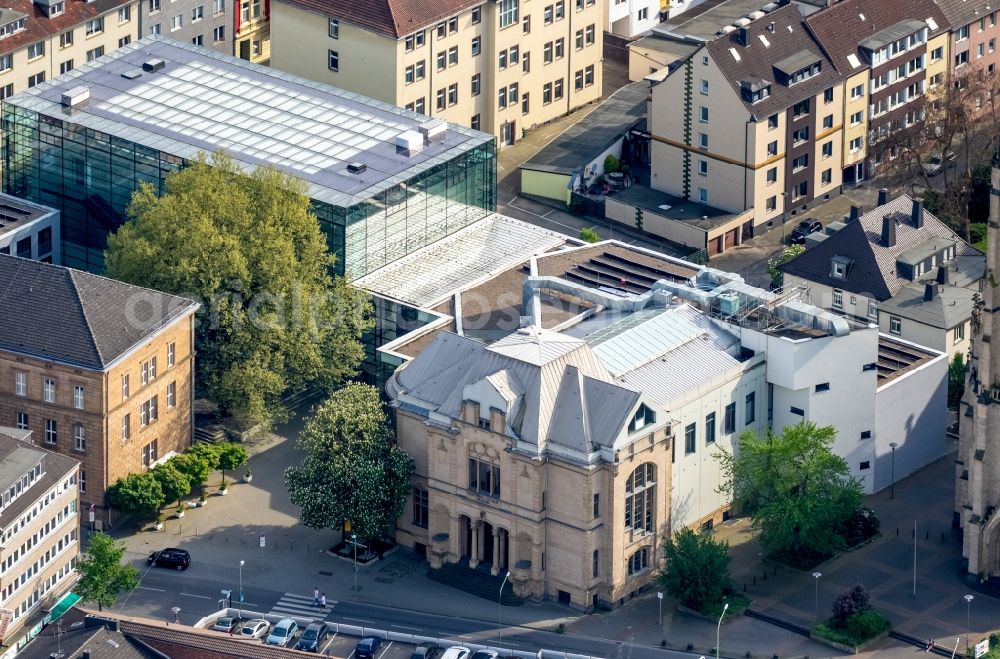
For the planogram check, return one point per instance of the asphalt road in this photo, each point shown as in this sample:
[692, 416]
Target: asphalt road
[198, 595]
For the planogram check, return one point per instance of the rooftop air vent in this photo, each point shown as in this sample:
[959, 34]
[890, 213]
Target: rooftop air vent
[132, 74]
[434, 130]
[754, 15]
[356, 167]
[742, 22]
[729, 28]
[152, 65]
[76, 96]
[409, 143]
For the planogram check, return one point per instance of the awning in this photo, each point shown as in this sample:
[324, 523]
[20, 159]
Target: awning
[62, 606]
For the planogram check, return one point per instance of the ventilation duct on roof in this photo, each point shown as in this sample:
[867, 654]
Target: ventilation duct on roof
[433, 131]
[76, 96]
[729, 28]
[132, 74]
[742, 22]
[153, 65]
[356, 167]
[769, 7]
[409, 143]
[754, 15]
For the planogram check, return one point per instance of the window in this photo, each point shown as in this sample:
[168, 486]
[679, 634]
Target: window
[578, 80]
[78, 397]
[171, 394]
[703, 195]
[560, 9]
[512, 93]
[477, 15]
[828, 95]
[772, 148]
[643, 14]
[547, 15]
[83, 480]
[477, 45]
[79, 437]
[872, 310]
[962, 58]
[704, 87]
[710, 428]
[408, 75]
[476, 122]
[49, 390]
[22, 420]
[800, 109]
[442, 60]
[526, 26]
[525, 105]
[124, 14]
[546, 93]
[546, 52]
[125, 386]
[419, 70]
[420, 106]
[772, 203]
[560, 48]
[94, 53]
[95, 26]
[219, 34]
[703, 167]
[557, 88]
[751, 408]
[149, 454]
[334, 28]
[855, 144]
[857, 91]
[826, 177]
[218, 7]
[895, 325]
[962, 33]
[124, 41]
[640, 498]
[514, 54]
[21, 383]
[800, 162]
[452, 94]
[197, 13]
[690, 432]
[827, 149]
[597, 506]
[176, 22]
[508, 13]
[440, 99]
[476, 85]
[57, 8]
[959, 333]
[797, 411]
[703, 140]
[703, 114]
[865, 465]
[639, 561]
[595, 564]
[36, 50]
[333, 60]
[578, 40]
[484, 478]
[590, 34]
[857, 117]
[154, 6]
[453, 56]
[822, 386]
[421, 507]
[441, 27]
[828, 121]
[51, 434]
[800, 135]
[772, 122]
[588, 75]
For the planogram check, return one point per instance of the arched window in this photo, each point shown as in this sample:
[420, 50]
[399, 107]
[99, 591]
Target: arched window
[639, 561]
[640, 493]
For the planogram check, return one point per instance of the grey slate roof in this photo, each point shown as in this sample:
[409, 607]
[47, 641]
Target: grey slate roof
[65, 315]
[873, 269]
[950, 307]
[963, 12]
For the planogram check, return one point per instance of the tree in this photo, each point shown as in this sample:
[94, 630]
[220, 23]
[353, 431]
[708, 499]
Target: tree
[248, 247]
[194, 466]
[352, 469]
[207, 452]
[611, 164]
[175, 484]
[797, 492]
[849, 603]
[137, 494]
[956, 381]
[102, 574]
[784, 256]
[589, 235]
[696, 570]
[231, 456]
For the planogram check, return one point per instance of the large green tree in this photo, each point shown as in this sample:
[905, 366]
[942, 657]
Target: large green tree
[247, 246]
[797, 492]
[174, 483]
[103, 576]
[696, 569]
[351, 468]
[231, 456]
[137, 494]
[194, 466]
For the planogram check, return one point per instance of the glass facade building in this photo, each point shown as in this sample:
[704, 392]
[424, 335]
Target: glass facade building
[384, 182]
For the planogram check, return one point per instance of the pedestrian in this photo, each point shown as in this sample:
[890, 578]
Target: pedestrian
[322, 601]
[315, 597]
[930, 645]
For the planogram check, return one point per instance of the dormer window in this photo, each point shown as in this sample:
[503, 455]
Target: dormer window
[644, 416]
[798, 67]
[56, 9]
[13, 27]
[755, 90]
[839, 266]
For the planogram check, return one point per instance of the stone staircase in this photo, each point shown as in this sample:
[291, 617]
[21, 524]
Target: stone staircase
[478, 582]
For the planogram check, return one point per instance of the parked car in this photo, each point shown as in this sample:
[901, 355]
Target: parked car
[283, 632]
[313, 637]
[227, 624]
[171, 557]
[426, 651]
[457, 652]
[804, 228]
[936, 163]
[484, 654]
[367, 647]
[255, 629]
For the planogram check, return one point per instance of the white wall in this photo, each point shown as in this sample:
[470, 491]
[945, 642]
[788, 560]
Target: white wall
[677, 231]
[9, 239]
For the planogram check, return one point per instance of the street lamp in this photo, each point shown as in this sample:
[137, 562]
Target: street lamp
[240, 605]
[354, 541]
[968, 620]
[892, 476]
[718, 628]
[816, 576]
[177, 610]
[499, 604]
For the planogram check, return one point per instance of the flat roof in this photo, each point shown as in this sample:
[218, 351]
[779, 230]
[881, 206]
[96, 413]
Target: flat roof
[896, 358]
[704, 21]
[205, 101]
[16, 213]
[697, 215]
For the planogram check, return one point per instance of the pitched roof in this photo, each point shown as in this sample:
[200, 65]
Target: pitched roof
[39, 26]
[767, 49]
[70, 316]
[872, 270]
[963, 12]
[950, 306]
[841, 27]
[392, 18]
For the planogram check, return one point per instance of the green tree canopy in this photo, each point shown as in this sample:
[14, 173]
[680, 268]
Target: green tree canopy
[137, 494]
[102, 575]
[352, 469]
[207, 452]
[956, 381]
[173, 482]
[231, 456]
[696, 570]
[247, 246]
[194, 466]
[784, 256]
[797, 492]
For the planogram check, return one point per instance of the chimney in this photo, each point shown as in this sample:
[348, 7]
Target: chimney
[930, 291]
[917, 214]
[855, 212]
[942, 275]
[744, 36]
[888, 231]
[883, 196]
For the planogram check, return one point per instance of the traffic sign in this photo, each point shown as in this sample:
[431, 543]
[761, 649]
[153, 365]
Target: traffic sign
[982, 647]
[263, 540]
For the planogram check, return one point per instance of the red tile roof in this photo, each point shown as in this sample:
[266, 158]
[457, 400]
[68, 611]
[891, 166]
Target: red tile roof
[392, 18]
[40, 26]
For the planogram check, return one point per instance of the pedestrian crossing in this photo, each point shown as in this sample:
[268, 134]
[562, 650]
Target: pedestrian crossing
[299, 606]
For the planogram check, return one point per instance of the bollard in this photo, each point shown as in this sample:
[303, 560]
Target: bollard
[927, 534]
[897, 531]
[913, 533]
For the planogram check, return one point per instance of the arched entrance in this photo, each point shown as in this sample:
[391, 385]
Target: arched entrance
[464, 538]
[488, 544]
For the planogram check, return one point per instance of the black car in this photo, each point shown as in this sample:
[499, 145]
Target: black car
[367, 647]
[805, 227]
[426, 651]
[313, 637]
[179, 559]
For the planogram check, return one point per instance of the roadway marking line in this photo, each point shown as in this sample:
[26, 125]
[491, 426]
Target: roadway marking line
[371, 622]
[385, 650]
[416, 629]
[351, 655]
[159, 590]
[547, 214]
[460, 636]
[328, 644]
[201, 597]
[511, 202]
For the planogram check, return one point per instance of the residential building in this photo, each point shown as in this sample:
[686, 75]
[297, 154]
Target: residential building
[628, 18]
[39, 526]
[43, 39]
[900, 267]
[29, 230]
[252, 31]
[751, 121]
[500, 67]
[96, 369]
[208, 23]
[893, 56]
[973, 47]
[370, 169]
[977, 467]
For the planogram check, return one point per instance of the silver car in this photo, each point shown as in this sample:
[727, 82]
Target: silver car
[255, 629]
[226, 624]
[283, 632]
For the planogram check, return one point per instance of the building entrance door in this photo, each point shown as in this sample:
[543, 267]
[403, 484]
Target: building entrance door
[507, 133]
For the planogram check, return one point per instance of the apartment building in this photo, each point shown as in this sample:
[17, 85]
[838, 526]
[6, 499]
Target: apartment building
[28, 230]
[974, 35]
[628, 18]
[751, 120]
[252, 31]
[96, 369]
[39, 526]
[894, 56]
[207, 23]
[40, 40]
[500, 67]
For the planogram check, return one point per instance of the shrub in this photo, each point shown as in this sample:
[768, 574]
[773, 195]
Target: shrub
[866, 625]
[611, 164]
[696, 570]
[850, 603]
[861, 525]
[589, 235]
